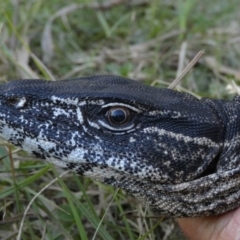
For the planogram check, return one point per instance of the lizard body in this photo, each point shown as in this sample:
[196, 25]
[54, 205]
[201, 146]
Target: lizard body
[177, 153]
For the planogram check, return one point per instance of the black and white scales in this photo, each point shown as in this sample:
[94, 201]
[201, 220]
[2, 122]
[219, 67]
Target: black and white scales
[179, 154]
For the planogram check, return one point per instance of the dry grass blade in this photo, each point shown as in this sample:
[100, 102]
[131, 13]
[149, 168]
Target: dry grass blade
[17, 218]
[22, 56]
[125, 53]
[182, 56]
[33, 199]
[232, 88]
[186, 70]
[212, 63]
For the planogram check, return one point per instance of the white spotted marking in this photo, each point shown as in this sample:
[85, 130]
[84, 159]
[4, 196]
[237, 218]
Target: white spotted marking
[77, 155]
[72, 141]
[172, 114]
[93, 124]
[131, 140]
[80, 116]
[60, 111]
[96, 102]
[68, 101]
[202, 141]
[31, 144]
[7, 132]
[20, 103]
[82, 103]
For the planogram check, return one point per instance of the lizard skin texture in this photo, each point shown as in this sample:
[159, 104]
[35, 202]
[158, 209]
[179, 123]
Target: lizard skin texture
[169, 149]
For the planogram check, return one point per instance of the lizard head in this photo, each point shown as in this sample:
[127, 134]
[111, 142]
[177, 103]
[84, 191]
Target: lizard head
[114, 130]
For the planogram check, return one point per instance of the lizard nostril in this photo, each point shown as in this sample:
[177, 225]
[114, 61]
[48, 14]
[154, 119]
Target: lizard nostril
[118, 115]
[17, 102]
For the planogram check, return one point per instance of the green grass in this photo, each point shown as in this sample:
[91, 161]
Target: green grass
[149, 41]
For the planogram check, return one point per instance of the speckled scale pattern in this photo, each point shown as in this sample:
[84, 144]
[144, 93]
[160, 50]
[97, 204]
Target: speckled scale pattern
[177, 153]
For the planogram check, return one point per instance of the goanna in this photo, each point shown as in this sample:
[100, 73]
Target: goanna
[179, 154]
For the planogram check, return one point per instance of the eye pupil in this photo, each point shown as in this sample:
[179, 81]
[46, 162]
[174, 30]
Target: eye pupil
[118, 116]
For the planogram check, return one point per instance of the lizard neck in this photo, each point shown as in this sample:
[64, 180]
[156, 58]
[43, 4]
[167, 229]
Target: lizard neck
[229, 112]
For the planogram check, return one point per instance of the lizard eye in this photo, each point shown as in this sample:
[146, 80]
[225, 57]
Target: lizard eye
[17, 102]
[118, 116]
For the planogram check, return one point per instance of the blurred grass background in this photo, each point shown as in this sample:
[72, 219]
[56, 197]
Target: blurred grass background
[150, 41]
